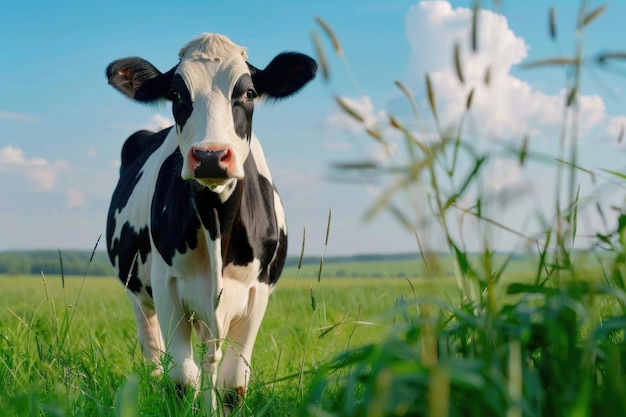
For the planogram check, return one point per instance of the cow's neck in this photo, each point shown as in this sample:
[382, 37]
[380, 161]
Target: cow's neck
[218, 212]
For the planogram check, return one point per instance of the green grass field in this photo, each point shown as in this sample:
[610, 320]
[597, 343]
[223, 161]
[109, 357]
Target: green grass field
[67, 347]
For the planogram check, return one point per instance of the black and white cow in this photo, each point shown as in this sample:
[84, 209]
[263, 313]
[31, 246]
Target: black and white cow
[196, 229]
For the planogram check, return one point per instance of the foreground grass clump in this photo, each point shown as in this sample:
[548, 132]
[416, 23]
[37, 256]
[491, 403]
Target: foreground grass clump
[550, 353]
[551, 344]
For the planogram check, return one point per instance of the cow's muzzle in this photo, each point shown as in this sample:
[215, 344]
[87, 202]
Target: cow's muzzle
[212, 162]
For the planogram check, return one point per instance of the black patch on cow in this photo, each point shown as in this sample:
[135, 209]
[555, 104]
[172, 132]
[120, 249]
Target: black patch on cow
[136, 144]
[255, 232]
[182, 106]
[276, 266]
[217, 217]
[131, 246]
[173, 222]
[243, 106]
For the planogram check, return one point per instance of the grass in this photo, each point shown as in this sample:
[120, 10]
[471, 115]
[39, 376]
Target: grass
[68, 347]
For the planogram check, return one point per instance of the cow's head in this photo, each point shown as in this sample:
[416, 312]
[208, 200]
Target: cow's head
[212, 90]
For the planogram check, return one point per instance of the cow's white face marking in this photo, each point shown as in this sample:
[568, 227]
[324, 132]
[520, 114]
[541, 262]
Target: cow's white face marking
[210, 68]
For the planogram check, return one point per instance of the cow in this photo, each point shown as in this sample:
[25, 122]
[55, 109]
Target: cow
[196, 230]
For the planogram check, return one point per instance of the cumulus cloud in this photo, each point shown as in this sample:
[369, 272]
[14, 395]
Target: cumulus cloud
[41, 173]
[506, 107]
[10, 155]
[75, 198]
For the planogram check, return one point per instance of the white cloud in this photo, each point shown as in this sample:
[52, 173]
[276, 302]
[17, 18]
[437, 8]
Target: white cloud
[91, 152]
[41, 173]
[11, 155]
[433, 28]
[18, 117]
[615, 128]
[507, 107]
[502, 173]
[159, 122]
[74, 198]
[43, 179]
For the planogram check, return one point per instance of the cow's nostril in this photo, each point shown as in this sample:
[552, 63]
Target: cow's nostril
[226, 156]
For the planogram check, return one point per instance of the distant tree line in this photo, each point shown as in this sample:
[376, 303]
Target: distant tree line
[315, 260]
[76, 262]
[54, 263]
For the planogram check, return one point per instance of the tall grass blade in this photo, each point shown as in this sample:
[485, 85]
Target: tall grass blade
[468, 102]
[524, 151]
[475, 11]
[439, 393]
[349, 110]
[331, 35]
[53, 307]
[321, 56]
[407, 93]
[552, 23]
[571, 97]
[431, 98]
[592, 15]
[604, 57]
[487, 76]
[552, 62]
[62, 272]
[457, 63]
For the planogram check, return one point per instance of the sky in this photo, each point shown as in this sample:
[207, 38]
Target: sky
[62, 127]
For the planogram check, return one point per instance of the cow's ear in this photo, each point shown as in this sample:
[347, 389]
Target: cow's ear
[138, 79]
[286, 74]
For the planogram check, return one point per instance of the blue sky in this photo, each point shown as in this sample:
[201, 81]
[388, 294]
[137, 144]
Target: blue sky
[62, 126]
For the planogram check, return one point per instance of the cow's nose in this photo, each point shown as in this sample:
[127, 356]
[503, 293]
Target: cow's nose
[211, 162]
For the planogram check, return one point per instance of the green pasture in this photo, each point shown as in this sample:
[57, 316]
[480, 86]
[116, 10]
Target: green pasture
[68, 346]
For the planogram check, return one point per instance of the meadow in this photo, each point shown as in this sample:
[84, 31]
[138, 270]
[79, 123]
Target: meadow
[68, 345]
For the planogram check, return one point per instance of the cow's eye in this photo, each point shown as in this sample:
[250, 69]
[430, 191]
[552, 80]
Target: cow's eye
[250, 94]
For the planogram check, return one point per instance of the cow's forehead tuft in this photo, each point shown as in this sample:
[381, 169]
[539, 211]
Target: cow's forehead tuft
[212, 47]
[211, 61]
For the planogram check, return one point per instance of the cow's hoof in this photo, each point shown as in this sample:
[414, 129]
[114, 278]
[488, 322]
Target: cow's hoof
[233, 397]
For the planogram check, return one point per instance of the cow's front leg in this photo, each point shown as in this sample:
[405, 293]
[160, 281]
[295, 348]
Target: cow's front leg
[176, 329]
[235, 370]
[149, 332]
